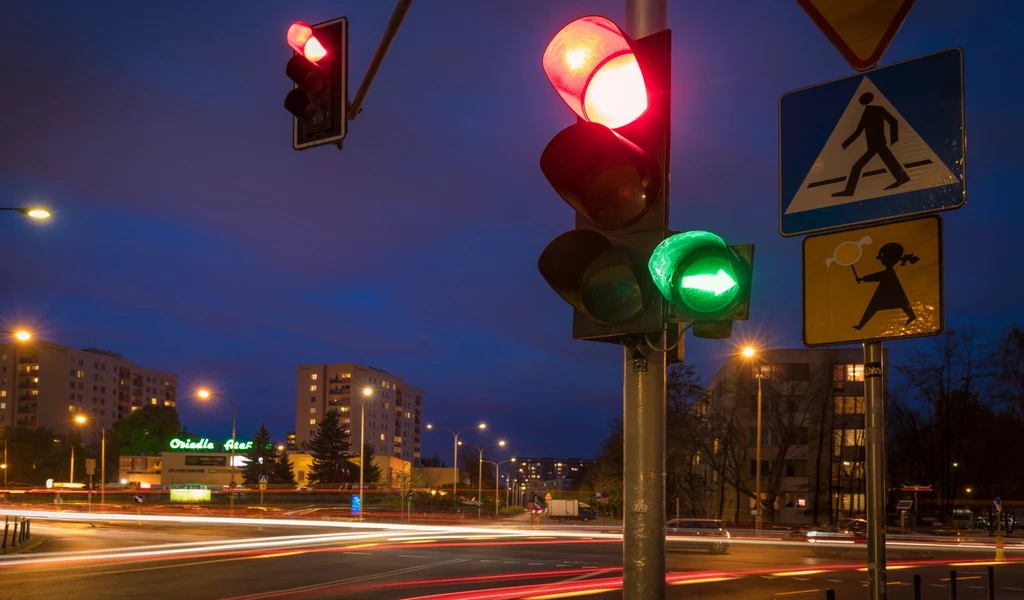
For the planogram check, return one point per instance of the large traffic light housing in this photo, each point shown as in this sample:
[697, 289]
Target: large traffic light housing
[611, 167]
[704, 280]
[319, 70]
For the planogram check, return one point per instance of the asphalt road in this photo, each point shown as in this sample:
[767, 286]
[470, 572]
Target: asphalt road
[200, 562]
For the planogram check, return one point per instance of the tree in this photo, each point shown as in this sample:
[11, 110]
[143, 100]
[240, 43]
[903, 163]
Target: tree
[329, 448]
[260, 458]
[433, 461]
[372, 474]
[685, 476]
[33, 457]
[283, 470]
[146, 431]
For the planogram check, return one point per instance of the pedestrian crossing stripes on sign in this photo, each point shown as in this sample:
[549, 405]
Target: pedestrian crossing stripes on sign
[873, 147]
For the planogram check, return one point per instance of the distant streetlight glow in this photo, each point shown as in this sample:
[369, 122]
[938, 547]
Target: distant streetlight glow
[367, 391]
[80, 419]
[38, 213]
[749, 351]
[22, 336]
[203, 393]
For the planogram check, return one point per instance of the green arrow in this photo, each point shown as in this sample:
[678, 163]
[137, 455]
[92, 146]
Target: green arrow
[719, 283]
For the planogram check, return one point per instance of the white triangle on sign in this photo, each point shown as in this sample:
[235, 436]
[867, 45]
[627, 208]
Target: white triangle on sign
[832, 169]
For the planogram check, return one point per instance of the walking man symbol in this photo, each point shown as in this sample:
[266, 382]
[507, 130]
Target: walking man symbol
[872, 125]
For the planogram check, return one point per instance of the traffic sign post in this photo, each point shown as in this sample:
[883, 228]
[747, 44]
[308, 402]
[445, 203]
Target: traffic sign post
[861, 31]
[873, 284]
[873, 147]
[263, 487]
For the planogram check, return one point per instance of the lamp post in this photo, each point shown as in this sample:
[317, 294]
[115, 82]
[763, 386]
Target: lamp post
[480, 477]
[455, 461]
[205, 394]
[71, 474]
[750, 352]
[81, 420]
[33, 212]
[367, 392]
[497, 478]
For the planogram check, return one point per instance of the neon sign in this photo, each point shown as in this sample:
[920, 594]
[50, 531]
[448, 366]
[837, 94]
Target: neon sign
[206, 445]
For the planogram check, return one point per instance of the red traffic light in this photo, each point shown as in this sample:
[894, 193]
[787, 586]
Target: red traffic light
[591, 65]
[302, 40]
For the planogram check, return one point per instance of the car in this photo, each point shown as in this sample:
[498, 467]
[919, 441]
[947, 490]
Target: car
[836, 541]
[705, 534]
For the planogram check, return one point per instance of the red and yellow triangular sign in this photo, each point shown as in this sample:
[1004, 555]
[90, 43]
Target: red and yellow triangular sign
[860, 29]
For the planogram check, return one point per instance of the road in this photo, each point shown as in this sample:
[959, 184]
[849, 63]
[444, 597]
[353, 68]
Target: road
[212, 560]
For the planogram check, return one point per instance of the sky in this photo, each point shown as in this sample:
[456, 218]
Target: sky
[189, 236]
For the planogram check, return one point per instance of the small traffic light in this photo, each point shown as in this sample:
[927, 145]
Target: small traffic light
[611, 167]
[319, 70]
[704, 280]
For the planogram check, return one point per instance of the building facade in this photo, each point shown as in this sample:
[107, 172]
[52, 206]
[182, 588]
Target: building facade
[394, 412]
[48, 385]
[812, 438]
[548, 473]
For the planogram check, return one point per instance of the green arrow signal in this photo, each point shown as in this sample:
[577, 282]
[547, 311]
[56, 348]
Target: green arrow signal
[719, 283]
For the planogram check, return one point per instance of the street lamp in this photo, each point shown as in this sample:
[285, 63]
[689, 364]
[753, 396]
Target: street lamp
[81, 420]
[751, 352]
[33, 212]
[71, 474]
[480, 478]
[367, 392]
[455, 463]
[205, 394]
[497, 478]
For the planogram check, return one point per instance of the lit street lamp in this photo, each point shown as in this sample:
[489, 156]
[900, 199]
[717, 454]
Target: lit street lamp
[206, 394]
[81, 420]
[71, 473]
[497, 478]
[455, 463]
[34, 212]
[480, 479]
[367, 392]
[750, 352]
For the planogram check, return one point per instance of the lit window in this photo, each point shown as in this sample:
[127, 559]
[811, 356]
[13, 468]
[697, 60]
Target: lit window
[855, 372]
[71, 408]
[312, 421]
[312, 410]
[3, 393]
[313, 377]
[152, 401]
[3, 406]
[312, 388]
[382, 437]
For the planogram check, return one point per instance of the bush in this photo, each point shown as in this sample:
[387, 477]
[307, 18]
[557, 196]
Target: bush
[513, 510]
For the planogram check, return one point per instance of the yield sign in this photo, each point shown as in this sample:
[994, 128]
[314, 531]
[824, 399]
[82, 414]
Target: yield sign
[860, 29]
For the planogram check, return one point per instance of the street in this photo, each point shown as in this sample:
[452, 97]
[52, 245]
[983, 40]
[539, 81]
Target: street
[261, 560]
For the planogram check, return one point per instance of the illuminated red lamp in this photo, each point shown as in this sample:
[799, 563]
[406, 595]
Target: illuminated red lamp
[302, 40]
[591, 65]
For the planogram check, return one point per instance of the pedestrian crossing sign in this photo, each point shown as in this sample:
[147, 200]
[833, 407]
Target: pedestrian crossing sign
[263, 479]
[876, 283]
[877, 146]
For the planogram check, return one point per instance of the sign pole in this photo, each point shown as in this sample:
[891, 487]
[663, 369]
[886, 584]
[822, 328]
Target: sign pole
[875, 401]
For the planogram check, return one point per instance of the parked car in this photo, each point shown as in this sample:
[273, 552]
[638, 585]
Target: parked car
[704, 534]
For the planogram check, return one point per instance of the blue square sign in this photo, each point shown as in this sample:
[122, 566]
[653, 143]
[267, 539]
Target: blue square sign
[876, 146]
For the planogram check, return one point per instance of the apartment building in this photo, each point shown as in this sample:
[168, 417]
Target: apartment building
[48, 385]
[548, 473]
[812, 410]
[393, 411]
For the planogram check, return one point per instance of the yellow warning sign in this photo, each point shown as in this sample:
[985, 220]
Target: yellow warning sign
[875, 283]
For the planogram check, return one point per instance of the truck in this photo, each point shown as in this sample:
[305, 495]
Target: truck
[562, 510]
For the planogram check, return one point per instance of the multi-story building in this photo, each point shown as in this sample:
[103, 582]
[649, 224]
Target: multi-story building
[812, 436]
[47, 385]
[548, 473]
[394, 411]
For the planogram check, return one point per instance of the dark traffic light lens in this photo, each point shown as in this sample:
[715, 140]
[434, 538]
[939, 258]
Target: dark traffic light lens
[298, 103]
[609, 291]
[306, 75]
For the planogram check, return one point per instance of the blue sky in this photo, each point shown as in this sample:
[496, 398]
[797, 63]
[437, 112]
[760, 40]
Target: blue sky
[190, 237]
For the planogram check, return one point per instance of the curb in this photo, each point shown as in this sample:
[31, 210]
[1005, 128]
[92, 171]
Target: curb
[29, 546]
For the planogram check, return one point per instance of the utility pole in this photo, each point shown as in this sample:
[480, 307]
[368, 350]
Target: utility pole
[643, 394]
[875, 401]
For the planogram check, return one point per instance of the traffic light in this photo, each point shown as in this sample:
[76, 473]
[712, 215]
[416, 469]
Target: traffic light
[319, 70]
[704, 280]
[611, 167]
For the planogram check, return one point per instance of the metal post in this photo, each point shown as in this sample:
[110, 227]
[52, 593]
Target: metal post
[480, 483]
[644, 474]
[830, 594]
[643, 396]
[7, 528]
[952, 585]
[875, 401]
[991, 583]
[497, 476]
[917, 587]
[378, 57]
[71, 475]
[455, 471]
[757, 468]
[103, 465]
[362, 451]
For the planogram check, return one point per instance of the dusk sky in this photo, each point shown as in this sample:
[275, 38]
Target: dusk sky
[189, 236]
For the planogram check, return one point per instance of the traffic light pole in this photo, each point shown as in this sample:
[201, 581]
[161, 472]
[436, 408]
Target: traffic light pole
[875, 408]
[643, 423]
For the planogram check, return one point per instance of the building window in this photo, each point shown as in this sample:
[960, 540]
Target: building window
[71, 408]
[849, 405]
[312, 388]
[382, 437]
[312, 377]
[312, 421]
[849, 438]
[3, 406]
[312, 398]
[855, 372]
[3, 393]
[312, 410]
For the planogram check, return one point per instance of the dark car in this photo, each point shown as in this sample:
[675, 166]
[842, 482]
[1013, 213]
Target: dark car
[704, 534]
